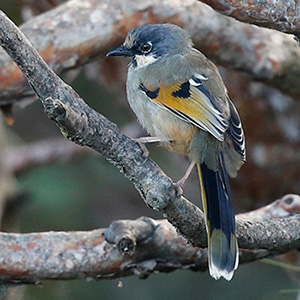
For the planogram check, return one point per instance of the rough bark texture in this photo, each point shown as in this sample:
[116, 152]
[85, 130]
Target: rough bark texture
[99, 25]
[127, 247]
[289, 205]
[282, 15]
[81, 124]
[152, 246]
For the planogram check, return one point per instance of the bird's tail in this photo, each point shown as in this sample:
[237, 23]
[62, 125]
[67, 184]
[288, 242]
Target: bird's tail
[220, 222]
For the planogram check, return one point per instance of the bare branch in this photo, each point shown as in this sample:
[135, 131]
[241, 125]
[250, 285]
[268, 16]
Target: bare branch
[69, 255]
[289, 205]
[286, 208]
[127, 247]
[81, 124]
[140, 247]
[282, 15]
[99, 25]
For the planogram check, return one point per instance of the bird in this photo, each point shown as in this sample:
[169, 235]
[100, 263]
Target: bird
[179, 97]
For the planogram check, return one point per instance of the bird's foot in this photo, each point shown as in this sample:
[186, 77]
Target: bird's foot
[179, 188]
[145, 151]
[141, 141]
[180, 183]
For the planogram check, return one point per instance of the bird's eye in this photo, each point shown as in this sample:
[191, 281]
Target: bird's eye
[146, 47]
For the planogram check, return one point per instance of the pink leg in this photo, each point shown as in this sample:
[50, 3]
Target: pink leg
[180, 183]
[145, 140]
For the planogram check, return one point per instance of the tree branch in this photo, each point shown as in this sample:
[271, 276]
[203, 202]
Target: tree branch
[127, 247]
[282, 15]
[154, 246]
[99, 25]
[79, 123]
[287, 206]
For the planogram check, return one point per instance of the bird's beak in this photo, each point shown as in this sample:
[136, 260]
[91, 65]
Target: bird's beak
[121, 51]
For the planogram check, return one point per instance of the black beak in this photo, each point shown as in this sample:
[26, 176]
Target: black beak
[121, 51]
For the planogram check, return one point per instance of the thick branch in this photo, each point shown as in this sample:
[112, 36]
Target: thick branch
[127, 247]
[140, 247]
[81, 124]
[287, 206]
[99, 25]
[282, 15]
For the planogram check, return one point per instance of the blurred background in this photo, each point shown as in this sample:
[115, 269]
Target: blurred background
[79, 191]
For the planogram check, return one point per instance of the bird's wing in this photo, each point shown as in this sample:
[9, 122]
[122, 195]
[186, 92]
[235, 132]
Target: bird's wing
[236, 132]
[193, 103]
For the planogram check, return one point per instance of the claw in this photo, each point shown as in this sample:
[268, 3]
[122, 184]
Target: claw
[145, 151]
[179, 188]
[180, 183]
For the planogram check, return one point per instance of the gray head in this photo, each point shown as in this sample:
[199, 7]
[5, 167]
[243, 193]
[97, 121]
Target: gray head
[149, 43]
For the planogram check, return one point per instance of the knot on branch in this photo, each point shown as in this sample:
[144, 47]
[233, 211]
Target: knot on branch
[71, 122]
[159, 195]
[55, 109]
[289, 205]
[127, 245]
[127, 234]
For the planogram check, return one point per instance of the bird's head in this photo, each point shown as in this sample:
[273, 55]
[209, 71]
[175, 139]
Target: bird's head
[150, 43]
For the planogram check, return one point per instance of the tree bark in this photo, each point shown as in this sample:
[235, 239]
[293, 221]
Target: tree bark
[127, 247]
[282, 15]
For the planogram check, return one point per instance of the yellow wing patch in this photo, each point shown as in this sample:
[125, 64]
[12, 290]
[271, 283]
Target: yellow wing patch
[192, 103]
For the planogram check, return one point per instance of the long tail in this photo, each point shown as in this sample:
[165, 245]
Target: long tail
[220, 222]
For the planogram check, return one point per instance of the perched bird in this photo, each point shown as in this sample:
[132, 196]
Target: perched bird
[179, 97]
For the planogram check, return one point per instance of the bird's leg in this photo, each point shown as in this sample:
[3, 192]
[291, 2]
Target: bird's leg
[180, 183]
[147, 139]
[141, 141]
